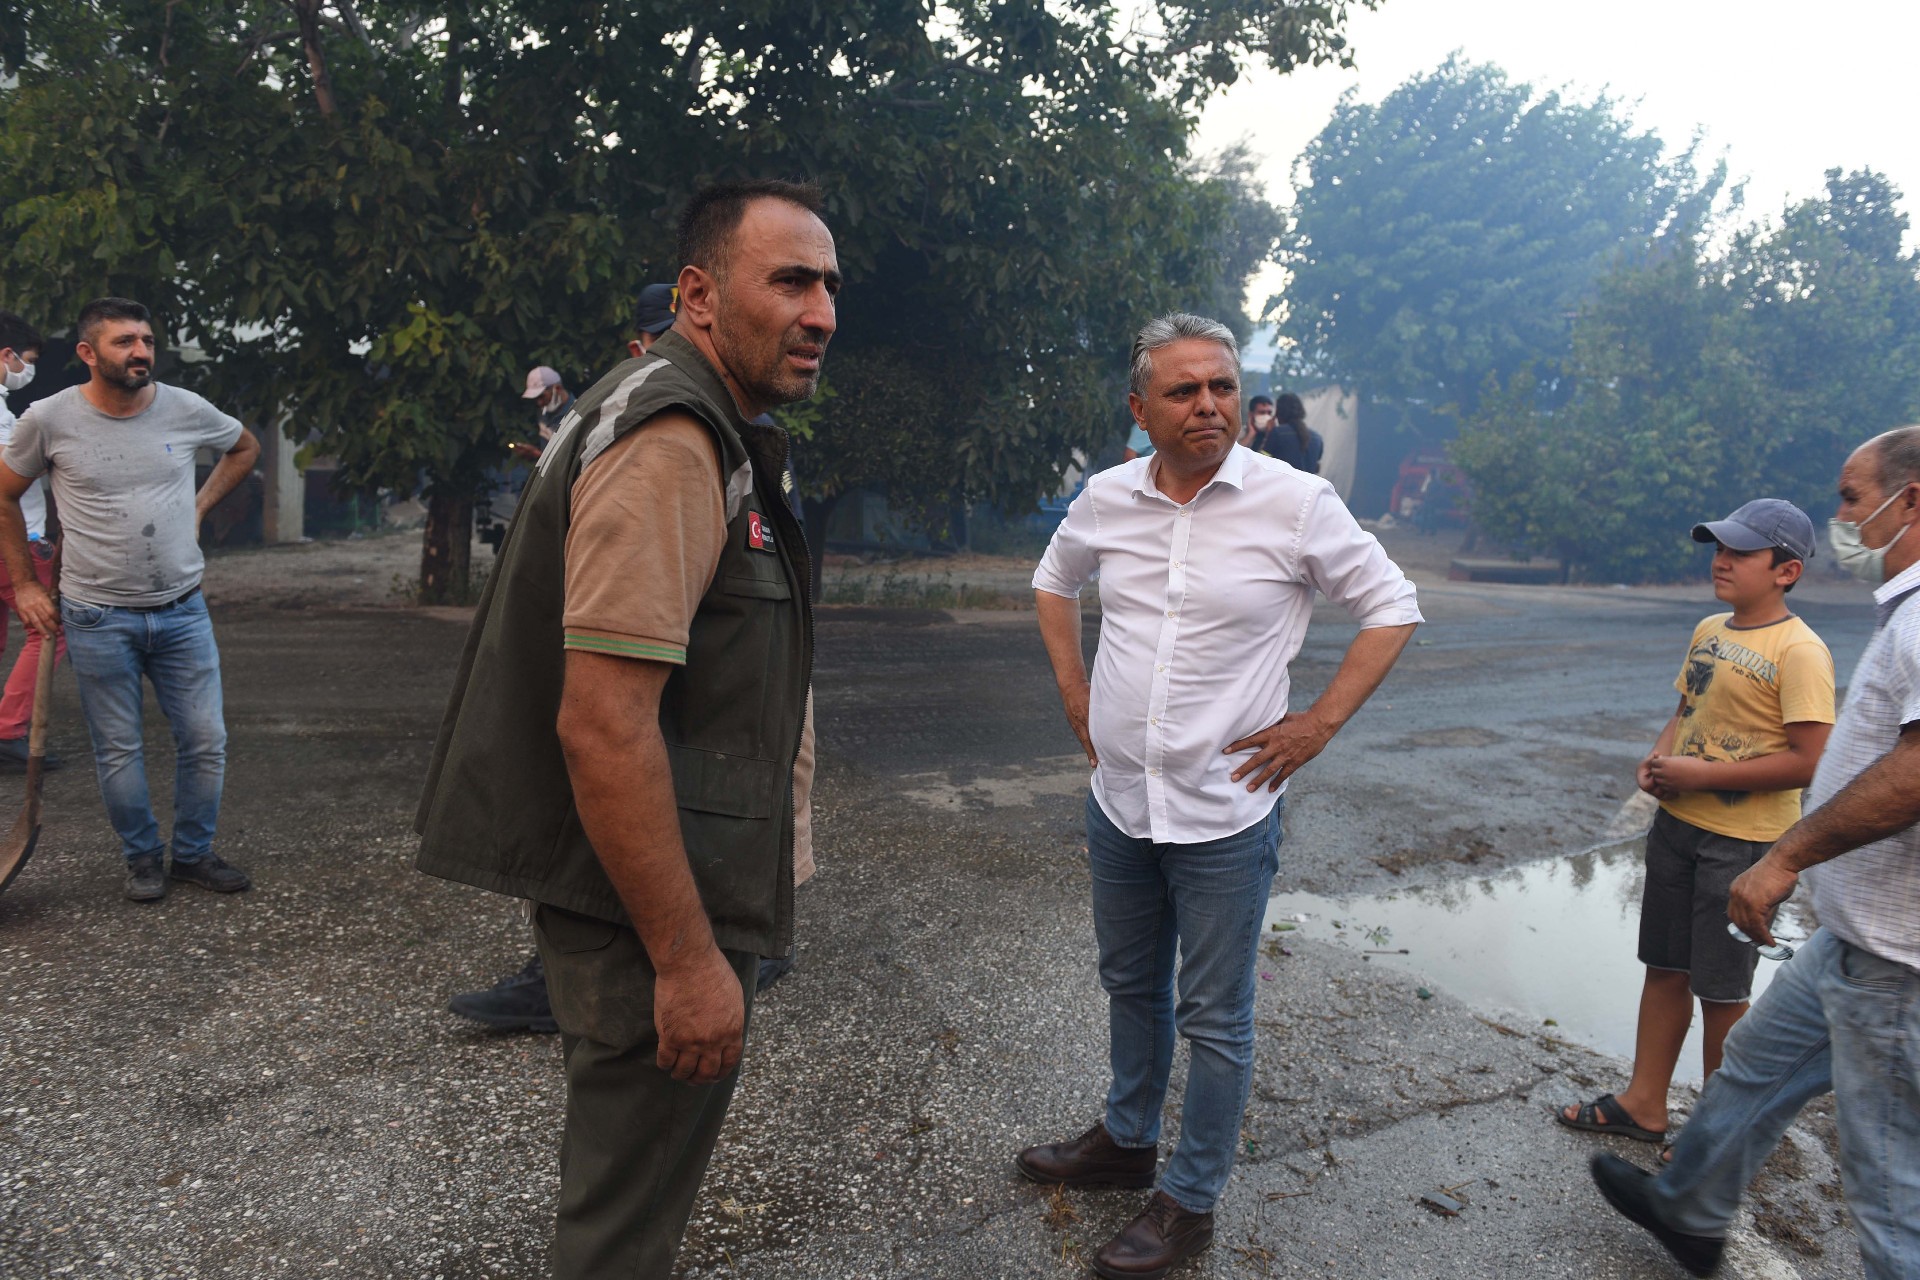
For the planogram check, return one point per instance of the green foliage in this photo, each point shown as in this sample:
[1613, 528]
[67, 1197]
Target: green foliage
[1699, 381]
[1452, 231]
[375, 216]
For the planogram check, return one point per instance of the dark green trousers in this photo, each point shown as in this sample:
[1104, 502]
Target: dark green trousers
[637, 1141]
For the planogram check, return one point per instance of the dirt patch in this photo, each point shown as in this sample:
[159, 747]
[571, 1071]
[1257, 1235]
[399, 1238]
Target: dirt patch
[1457, 736]
[1465, 849]
[376, 571]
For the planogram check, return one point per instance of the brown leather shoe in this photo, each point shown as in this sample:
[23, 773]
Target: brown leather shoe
[1157, 1241]
[1091, 1160]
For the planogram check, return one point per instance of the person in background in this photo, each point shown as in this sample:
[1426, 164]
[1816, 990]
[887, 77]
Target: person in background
[545, 387]
[20, 346]
[119, 452]
[1282, 432]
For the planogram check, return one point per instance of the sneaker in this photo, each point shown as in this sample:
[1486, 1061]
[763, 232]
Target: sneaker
[13, 757]
[517, 1002]
[211, 873]
[146, 882]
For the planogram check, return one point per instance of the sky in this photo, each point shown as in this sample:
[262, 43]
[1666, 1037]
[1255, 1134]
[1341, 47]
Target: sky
[1784, 92]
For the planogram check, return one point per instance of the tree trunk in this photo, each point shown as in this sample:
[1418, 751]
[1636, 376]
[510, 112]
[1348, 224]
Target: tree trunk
[818, 512]
[446, 551]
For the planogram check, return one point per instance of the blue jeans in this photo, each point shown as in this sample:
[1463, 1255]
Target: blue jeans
[111, 649]
[1838, 1019]
[1208, 899]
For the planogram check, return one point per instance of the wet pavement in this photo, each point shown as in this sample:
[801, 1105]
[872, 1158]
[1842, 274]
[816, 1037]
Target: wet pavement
[268, 1085]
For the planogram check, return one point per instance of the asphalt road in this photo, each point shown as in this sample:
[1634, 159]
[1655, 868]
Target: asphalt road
[268, 1085]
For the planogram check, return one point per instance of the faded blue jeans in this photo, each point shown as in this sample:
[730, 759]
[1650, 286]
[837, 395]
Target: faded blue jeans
[111, 650]
[1837, 1019]
[1208, 900]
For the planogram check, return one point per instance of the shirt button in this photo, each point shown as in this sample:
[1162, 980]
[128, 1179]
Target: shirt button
[1154, 720]
[1158, 666]
[1153, 773]
[1172, 614]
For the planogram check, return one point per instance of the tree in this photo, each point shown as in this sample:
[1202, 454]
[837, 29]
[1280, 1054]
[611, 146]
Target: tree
[1698, 381]
[374, 218]
[1452, 231]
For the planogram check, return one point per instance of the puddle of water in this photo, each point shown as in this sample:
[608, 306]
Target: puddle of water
[1553, 939]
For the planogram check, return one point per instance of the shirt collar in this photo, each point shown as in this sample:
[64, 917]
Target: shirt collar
[1888, 595]
[1233, 471]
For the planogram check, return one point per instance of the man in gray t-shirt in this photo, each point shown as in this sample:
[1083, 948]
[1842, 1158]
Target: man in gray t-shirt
[118, 453]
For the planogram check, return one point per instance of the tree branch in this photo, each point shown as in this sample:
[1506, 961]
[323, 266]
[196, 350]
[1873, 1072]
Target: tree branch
[307, 13]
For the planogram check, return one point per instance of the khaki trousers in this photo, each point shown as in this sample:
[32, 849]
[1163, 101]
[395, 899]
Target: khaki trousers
[637, 1141]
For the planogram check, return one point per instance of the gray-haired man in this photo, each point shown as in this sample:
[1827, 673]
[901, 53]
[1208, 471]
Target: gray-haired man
[1186, 724]
[1843, 1016]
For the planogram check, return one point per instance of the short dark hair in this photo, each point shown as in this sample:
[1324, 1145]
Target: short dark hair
[1257, 401]
[1780, 556]
[101, 310]
[714, 214]
[18, 335]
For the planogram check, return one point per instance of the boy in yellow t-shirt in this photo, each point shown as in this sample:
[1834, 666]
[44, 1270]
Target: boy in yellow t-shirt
[1756, 704]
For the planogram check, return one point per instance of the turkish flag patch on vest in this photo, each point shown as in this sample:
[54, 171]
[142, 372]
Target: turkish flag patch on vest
[759, 533]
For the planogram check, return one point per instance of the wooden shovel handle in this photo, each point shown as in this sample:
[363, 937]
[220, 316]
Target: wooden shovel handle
[43, 679]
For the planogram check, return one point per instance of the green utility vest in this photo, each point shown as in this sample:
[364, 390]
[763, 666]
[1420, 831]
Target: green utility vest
[498, 811]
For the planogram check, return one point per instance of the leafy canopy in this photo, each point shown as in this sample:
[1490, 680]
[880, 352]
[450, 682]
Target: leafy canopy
[1453, 230]
[375, 216]
[1700, 380]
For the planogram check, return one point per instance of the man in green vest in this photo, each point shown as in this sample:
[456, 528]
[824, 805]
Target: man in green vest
[620, 742]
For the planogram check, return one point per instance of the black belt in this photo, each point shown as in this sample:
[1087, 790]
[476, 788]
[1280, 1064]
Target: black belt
[182, 598]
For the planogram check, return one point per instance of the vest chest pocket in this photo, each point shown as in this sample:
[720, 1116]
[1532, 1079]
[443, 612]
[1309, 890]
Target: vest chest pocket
[733, 786]
[738, 581]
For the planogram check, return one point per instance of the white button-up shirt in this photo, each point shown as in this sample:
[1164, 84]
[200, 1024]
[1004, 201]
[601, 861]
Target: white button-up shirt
[1870, 896]
[1202, 608]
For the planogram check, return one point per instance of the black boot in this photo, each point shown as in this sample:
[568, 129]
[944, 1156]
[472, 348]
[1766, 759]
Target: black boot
[515, 1003]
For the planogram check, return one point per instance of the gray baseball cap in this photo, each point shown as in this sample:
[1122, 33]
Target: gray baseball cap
[1762, 523]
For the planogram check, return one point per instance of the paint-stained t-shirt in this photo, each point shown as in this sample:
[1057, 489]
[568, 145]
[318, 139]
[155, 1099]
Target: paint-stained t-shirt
[1740, 688]
[649, 523]
[124, 488]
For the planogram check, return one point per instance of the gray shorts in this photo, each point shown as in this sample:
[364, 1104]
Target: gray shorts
[1683, 912]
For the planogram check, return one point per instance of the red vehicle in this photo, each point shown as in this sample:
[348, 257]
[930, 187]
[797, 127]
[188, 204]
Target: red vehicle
[1430, 491]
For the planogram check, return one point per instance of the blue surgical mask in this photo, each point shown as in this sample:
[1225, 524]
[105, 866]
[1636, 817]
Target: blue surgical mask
[1862, 561]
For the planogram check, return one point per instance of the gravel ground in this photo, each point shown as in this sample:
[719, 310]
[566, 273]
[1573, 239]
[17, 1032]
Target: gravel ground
[268, 1085]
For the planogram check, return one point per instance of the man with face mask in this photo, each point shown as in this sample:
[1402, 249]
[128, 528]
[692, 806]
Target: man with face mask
[620, 743]
[551, 397]
[1842, 1014]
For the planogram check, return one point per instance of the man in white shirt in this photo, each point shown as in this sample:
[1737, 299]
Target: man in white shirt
[1208, 556]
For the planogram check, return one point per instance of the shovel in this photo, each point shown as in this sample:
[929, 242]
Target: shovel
[26, 828]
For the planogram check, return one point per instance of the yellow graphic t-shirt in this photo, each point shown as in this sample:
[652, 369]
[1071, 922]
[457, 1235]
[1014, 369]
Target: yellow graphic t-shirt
[1741, 687]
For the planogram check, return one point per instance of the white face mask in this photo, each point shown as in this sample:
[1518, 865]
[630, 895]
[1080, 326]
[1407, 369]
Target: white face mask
[16, 379]
[1862, 561]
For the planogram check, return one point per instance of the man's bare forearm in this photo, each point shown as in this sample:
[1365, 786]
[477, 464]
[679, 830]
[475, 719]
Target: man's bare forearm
[1368, 660]
[227, 473]
[1060, 633]
[1882, 801]
[13, 541]
[623, 787]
